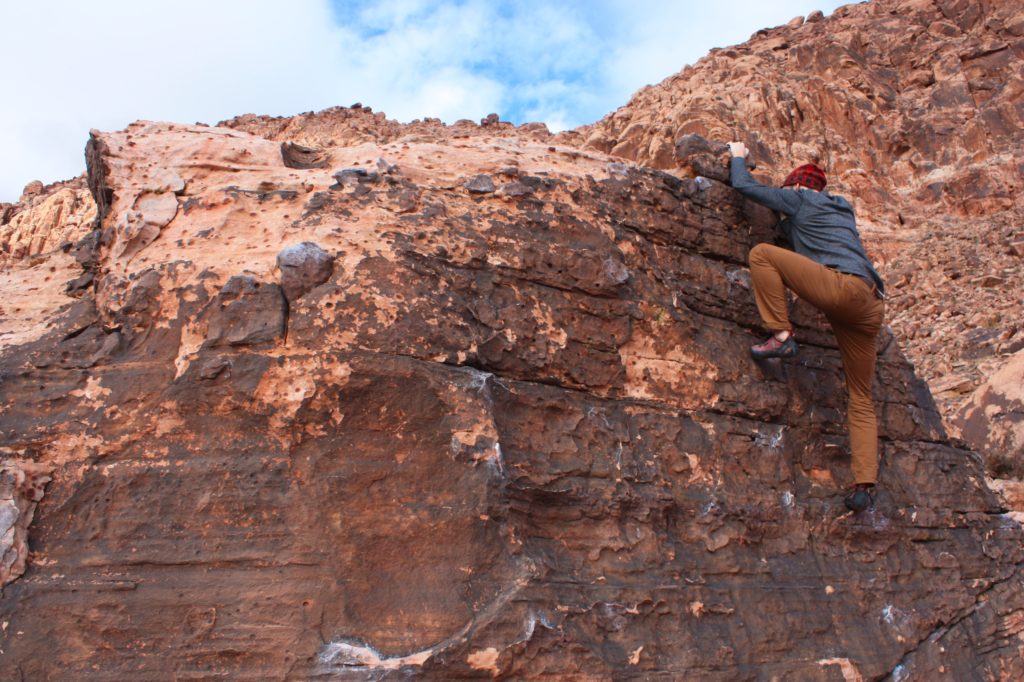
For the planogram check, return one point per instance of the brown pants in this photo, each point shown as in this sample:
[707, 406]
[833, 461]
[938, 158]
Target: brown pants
[855, 314]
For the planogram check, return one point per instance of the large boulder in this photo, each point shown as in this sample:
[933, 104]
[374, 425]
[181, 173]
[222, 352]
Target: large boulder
[514, 434]
[303, 266]
[992, 420]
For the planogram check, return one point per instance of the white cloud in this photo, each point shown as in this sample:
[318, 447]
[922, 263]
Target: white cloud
[68, 66]
[73, 66]
[449, 94]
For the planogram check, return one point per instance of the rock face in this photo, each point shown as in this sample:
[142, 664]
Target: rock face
[511, 433]
[993, 419]
[333, 397]
[307, 138]
[914, 107]
[44, 218]
[21, 487]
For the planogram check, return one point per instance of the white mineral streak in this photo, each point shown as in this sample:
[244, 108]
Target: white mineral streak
[846, 667]
[345, 654]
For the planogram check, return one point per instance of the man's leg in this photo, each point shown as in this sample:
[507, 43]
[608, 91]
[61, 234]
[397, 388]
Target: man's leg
[857, 334]
[774, 269]
[856, 317]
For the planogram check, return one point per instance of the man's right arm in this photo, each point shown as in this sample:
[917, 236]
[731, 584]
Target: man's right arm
[786, 201]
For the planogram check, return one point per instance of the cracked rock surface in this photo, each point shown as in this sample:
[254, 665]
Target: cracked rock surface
[511, 434]
[914, 109]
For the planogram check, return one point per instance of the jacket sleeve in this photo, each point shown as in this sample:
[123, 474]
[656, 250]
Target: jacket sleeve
[786, 201]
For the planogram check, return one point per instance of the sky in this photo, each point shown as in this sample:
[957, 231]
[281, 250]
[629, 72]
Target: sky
[68, 66]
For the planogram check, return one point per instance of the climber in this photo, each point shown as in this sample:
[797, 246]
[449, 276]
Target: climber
[829, 269]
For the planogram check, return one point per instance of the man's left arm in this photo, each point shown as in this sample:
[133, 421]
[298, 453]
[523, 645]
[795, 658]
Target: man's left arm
[786, 201]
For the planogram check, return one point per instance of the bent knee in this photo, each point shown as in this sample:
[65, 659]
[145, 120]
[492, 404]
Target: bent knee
[759, 254]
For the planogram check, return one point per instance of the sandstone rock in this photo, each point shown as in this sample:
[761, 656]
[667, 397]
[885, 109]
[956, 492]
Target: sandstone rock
[480, 184]
[164, 180]
[520, 438]
[385, 168]
[32, 189]
[992, 419]
[523, 438]
[22, 483]
[1012, 495]
[515, 189]
[351, 126]
[923, 135]
[348, 175]
[704, 158]
[303, 266]
[45, 218]
[298, 156]
[535, 130]
[990, 281]
[139, 227]
[246, 312]
[956, 384]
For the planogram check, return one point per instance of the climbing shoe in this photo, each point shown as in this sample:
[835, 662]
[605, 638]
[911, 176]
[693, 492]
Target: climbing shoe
[860, 498]
[773, 348]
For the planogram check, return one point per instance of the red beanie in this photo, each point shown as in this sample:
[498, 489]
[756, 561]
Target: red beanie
[808, 175]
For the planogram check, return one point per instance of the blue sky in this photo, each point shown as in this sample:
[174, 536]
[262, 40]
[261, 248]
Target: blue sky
[69, 66]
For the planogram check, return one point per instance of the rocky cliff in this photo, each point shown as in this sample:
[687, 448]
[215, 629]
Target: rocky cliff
[916, 108]
[459, 405]
[45, 218]
[330, 397]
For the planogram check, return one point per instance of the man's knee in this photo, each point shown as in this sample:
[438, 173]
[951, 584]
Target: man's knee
[759, 254]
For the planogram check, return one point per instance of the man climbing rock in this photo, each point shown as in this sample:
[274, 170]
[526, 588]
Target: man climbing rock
[829, 269]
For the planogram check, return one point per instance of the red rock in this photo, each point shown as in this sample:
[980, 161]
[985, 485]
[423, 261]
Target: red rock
[511, 433]
[912, 107]
[516, 433]
[45, 218]
[303, 266]
[1012, 495]
[21, 487]
[992, 419]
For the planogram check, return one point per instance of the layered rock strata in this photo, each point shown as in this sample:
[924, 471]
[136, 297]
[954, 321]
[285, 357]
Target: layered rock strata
[511, 431]
[915, 108]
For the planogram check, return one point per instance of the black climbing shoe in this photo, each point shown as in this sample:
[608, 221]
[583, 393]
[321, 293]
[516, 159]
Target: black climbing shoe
[773, 348]
[860, 498]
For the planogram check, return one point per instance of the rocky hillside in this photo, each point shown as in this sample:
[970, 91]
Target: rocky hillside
[916, 108]
[332, 397]
[45, 218]
[458, 405]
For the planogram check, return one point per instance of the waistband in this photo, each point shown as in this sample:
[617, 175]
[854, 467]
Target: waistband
[867, 280]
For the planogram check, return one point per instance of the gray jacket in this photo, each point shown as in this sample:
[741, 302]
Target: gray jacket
[819, 225]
